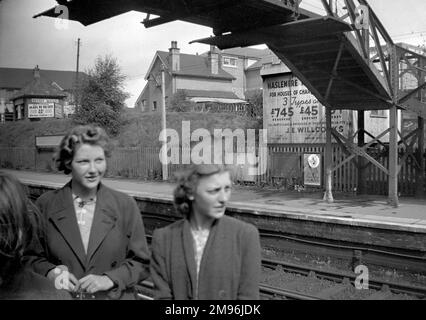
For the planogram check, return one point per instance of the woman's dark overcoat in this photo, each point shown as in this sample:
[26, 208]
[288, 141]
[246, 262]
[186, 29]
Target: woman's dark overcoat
[230, 267]
[117, 245]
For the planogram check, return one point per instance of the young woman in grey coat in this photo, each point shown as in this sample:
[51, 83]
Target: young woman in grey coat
[207, 255]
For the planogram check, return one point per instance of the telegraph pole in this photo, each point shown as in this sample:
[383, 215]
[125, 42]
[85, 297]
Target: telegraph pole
[76, 74]
[163, 125]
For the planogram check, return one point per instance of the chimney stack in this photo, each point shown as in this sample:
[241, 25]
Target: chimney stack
[214, 60]
[174, 53]
[36, 72]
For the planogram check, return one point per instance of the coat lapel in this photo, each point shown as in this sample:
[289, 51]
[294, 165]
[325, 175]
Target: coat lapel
[103, 221]
[65, 222]
[215, 237]
[188, 246]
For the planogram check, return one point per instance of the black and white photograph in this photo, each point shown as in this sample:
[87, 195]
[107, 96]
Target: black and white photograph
[270, 151]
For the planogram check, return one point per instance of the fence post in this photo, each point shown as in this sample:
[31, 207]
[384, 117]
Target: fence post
[420, 156]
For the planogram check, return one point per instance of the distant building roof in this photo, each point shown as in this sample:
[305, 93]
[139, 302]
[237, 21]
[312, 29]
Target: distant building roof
[416, 49]
[39, 87]
[246, 52]
[213, 96]
[269, 57]
[210, 94]
[195, 66]
[16, 78]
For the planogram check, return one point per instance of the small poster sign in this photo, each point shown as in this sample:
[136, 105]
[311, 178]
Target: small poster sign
[312, 169]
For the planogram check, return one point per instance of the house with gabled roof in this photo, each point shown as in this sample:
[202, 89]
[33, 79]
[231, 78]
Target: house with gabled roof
[215, 76]
[18, 84]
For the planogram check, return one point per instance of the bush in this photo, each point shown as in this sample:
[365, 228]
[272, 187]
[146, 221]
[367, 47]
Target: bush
[179, 102]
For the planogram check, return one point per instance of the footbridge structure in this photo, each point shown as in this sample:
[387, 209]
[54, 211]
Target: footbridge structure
[339, 49]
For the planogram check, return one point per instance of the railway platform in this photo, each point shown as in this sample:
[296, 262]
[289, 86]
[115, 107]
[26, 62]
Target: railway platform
[369, 209]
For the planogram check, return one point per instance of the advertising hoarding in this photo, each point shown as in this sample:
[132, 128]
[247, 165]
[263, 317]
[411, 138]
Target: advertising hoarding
[292, 114]
[59, 111]
[41, 110]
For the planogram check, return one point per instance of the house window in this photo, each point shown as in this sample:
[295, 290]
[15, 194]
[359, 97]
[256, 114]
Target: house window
[143, 105]
[229, 62]
[378, 114]
[154, 105]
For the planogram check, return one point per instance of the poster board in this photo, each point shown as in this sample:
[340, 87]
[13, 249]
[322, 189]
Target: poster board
[59, 111]
[41, 110]
[312, 169]
[293, 115]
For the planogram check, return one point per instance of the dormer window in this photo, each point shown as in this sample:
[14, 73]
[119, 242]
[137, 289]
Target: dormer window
[229, 62]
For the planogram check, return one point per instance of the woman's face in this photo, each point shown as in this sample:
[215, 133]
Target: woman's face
[211, 195]
[88, 167]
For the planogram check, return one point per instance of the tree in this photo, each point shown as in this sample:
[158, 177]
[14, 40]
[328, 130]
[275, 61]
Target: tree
[255, 100]
[102, 96]
[178, 102]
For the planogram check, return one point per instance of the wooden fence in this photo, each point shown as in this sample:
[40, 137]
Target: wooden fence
[285, 164]
[135, 163]
[18, 158]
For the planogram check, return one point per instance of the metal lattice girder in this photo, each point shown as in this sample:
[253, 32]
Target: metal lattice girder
[414, 64]
[358, 151]
[409, 147]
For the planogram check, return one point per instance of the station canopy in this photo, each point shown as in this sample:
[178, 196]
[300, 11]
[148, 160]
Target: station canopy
[320, 50]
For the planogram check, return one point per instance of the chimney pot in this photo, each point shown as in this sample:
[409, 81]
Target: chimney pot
[36, 72]
[214, 60]
[174, 53]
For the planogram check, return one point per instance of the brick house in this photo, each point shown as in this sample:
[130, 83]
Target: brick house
[215, 76]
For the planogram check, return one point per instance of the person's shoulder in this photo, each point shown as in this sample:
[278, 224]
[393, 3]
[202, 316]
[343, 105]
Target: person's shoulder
[117, 195]
[237, 223]
[172, 226]
[166, 231]
[48, 196]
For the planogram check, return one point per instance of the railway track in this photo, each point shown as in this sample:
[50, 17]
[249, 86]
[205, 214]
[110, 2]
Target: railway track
[345, 279]
[341, 281]
[144, 292]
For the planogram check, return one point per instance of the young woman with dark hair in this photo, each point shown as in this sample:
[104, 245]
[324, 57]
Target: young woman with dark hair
[19, 225]
[95, 235]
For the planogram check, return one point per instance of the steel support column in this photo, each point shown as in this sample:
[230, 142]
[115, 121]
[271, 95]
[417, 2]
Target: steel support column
[393, 127]
[361, 161]
[393, 157]
[328, 195]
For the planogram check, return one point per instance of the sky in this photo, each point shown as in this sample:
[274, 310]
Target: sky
[26, 42]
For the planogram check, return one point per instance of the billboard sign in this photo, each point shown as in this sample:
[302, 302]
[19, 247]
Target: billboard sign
[41, 110]
[292, 114]
[59, 111]
[69, 109]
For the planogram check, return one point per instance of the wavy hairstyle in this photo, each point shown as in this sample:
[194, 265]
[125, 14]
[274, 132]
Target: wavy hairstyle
[19, 225]
[87, 134]
[187, 182]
